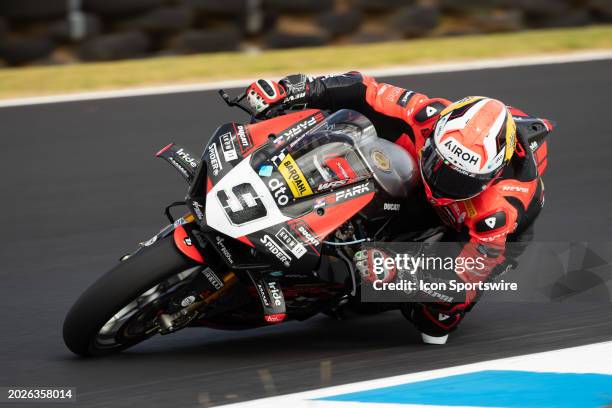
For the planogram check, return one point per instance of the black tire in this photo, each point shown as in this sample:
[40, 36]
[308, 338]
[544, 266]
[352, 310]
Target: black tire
[417, 20]
[120, 8]
[601, 9]
[280, 39]
[299, 6]
[230, 8]
[60, 30]
[572, 18]
[4, 28]
[466, 7]
[213, 40]
[116, 289]
[543, 9]
[20, 50]
[161, 20]
[340, 22]
[29, 10]
[381, 6]
[131, 44]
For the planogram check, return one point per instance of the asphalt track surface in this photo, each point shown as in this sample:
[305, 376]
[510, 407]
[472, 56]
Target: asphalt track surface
[80, 187]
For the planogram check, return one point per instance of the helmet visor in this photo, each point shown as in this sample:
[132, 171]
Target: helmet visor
[448, 181]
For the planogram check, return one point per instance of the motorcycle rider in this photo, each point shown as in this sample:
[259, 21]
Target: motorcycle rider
[478, 174]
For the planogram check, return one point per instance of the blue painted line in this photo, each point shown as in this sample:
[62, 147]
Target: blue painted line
[496, 389]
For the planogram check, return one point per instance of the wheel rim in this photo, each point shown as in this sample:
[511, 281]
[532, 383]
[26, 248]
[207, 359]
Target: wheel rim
[134, 322]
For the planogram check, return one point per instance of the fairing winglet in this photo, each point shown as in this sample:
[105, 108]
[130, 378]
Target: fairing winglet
[181, 159]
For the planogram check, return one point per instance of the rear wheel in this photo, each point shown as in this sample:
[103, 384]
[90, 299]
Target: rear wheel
[121, 308]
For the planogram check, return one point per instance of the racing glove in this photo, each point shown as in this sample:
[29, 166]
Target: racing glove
[291, 91]
[433, 320]
[263, 93]
[375, 264]
[371, 265]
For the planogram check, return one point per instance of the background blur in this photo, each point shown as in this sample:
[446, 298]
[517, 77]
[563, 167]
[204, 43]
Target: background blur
[45, 32]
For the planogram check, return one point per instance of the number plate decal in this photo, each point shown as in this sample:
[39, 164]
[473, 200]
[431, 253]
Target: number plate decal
[240, 203]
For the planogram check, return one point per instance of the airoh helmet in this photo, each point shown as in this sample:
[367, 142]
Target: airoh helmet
[472, 141]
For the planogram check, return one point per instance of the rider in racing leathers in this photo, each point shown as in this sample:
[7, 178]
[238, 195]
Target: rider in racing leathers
[482, 184]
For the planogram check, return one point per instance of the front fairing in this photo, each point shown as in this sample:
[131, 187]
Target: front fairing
[286, 196]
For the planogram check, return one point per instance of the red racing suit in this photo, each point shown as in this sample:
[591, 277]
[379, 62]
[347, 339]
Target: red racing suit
[499, 214]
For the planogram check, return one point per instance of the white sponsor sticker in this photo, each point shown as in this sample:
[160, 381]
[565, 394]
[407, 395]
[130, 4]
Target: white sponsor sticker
[213, 156]
[292, 244]
[352, 192]
[275, 249]
[187, 157]
[228, 148]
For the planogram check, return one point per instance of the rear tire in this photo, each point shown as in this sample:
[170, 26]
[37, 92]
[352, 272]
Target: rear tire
[115, 290]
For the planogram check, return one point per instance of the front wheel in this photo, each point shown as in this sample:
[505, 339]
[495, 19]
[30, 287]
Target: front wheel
[120, 309]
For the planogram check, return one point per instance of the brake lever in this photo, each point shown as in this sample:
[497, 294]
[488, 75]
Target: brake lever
[226, 98]
[231, 102]
[236, 101]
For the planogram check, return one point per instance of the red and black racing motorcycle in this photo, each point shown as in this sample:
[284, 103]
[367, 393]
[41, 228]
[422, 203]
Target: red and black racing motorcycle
[276, 209]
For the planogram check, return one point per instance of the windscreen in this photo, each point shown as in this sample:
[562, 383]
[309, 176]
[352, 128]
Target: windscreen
[326, 157]
[341, 150]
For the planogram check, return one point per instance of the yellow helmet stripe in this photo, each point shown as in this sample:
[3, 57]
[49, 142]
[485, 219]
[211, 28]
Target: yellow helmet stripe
[456, 105]
[510, 136]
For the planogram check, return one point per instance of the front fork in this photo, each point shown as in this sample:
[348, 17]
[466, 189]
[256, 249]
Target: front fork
[167, 322]
[208, 286]
[192, 244]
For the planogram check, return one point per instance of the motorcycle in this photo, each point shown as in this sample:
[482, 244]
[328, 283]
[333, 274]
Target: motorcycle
[276, 210]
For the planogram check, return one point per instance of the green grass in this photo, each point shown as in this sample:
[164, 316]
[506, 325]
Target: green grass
[35, 81]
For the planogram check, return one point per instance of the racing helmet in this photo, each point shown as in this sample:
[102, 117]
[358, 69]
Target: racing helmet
[472, 141]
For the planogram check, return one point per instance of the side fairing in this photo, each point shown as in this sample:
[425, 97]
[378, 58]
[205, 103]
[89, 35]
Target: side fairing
[285, 196]
[296, 243]
[242, 206]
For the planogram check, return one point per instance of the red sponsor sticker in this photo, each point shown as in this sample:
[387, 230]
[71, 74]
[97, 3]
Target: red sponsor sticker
[275, 318]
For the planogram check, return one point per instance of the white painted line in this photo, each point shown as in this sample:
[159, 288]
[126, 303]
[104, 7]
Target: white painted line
[548, 59]
[593, 358]
[124, 93]
[380, 73]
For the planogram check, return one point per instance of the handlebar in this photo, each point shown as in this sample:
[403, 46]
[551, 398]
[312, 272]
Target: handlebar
[231, 102]
[237, 102]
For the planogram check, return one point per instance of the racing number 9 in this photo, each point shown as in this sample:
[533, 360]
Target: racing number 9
[242, 204]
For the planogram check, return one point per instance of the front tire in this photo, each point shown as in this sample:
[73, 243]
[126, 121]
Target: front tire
[112, 293]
